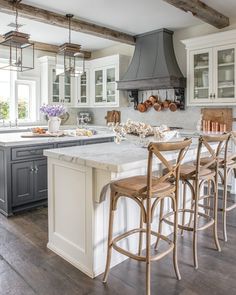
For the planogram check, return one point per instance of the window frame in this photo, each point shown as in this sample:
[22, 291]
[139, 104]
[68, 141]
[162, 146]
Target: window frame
[32, 102]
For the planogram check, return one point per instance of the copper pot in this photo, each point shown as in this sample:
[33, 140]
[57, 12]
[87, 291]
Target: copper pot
[142, 107]
[166, 104]
[173, 106]
[157, 106]
[148, 103]
[152, 99]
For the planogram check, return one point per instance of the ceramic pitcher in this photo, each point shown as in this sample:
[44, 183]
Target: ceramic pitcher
[54, 124]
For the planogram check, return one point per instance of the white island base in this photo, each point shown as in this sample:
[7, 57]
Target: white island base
[78, 218]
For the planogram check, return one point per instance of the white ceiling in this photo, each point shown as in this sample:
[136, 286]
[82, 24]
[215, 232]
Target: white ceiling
[130, 16]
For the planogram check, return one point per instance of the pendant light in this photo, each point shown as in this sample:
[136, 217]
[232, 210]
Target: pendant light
[17, 53]
[70, 61]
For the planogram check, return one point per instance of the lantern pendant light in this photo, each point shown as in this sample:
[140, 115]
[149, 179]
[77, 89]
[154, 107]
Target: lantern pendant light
[17, 53]
[70, 61]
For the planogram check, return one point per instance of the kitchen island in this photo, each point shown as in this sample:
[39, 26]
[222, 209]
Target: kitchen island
[23, 167]
[78, 203]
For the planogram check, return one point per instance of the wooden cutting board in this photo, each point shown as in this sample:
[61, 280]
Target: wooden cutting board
[35, 135]
[113, 116]
[220, 115]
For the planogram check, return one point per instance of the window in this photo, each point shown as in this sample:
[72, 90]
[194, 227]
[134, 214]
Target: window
[17, 98]
[25, 101]
[5, 95]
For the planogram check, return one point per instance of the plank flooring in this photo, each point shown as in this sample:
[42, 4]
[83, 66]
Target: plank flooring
[27, 267]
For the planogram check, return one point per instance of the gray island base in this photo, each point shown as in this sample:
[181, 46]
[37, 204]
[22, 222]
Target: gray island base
[23, 168]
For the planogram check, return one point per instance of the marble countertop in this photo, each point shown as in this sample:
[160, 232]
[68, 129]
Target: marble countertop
[110, 156]
[15, 139]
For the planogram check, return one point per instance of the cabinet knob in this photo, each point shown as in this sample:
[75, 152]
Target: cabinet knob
[36, 169]
[31, 169]
[214, 96]
[211, 95]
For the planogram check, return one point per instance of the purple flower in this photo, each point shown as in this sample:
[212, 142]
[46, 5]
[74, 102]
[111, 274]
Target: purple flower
[53, 110]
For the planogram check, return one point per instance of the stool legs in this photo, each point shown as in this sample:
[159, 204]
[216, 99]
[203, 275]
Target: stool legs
[224, 212]
[184, 206]
[160, 223]
[110, 233]
[175, 252]
[215, 213]
[195, 225]
[148, 248]
[140, 244]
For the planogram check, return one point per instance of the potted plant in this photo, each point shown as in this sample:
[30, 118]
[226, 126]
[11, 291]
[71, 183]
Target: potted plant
[53, 112]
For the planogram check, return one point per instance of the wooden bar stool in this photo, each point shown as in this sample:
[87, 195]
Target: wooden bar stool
[152, 190]
[227, 165]
[194, 175]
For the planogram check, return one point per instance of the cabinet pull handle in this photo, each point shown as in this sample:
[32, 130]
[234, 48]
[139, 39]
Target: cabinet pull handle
[214, 96]
[211, 95]
[36, 169]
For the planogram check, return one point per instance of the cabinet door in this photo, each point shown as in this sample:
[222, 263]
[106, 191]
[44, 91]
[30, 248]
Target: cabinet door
[55, 87]
[200, 76]
[22, 183]
[83, 86]
[99, 86]
[224, 79]
[40, 179]
[111, 92]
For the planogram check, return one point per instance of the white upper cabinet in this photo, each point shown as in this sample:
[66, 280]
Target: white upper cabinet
[56, 89]
[97, 87]
[211, 70]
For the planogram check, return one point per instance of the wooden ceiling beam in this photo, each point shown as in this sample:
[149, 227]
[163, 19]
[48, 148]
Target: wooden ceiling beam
[51, 48]
[56, 19]
[202, 11]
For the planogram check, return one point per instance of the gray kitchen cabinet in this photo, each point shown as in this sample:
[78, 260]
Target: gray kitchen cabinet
[23, 174]
[40, 179]
[22, 178]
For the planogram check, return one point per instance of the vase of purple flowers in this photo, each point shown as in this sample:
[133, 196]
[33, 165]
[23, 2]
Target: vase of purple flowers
[53, 112]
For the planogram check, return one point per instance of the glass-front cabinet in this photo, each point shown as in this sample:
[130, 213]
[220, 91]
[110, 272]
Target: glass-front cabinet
[55, 87]
[201, 80]
[83, 89]
[225, 74]
[96, 87]
[212, 76]
[105, 88]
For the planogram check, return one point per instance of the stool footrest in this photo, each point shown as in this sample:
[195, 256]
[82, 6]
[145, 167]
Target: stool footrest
[187, 227]
[141, 257]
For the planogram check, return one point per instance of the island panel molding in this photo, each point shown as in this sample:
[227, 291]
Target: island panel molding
[202, 11]
[56, 19]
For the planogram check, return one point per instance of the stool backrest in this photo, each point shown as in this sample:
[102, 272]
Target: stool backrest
[214, 145]
[228, 158]
[158, 149]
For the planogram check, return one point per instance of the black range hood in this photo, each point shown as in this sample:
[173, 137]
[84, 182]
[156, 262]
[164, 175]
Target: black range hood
[154, 64]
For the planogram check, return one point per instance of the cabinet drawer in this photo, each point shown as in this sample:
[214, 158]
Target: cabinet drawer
[68, 144]
[98, 140]
[29, 152]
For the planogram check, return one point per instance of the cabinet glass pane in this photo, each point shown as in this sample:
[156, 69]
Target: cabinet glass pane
[67, 88]
[99, 86]
[111, 85]
[83, 88]
[55, 86]
[226, 69]
[201, 76]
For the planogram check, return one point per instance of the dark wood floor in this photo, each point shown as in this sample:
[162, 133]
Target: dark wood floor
[27, 267]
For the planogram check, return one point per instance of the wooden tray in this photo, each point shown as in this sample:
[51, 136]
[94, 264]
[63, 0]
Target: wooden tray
[220, 115]
[33, 135]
